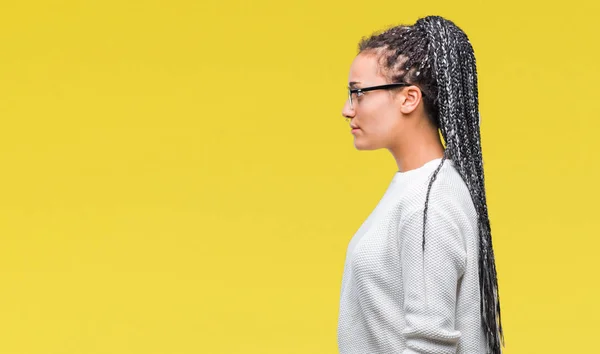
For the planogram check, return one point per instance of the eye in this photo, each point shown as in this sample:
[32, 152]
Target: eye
[359, 93]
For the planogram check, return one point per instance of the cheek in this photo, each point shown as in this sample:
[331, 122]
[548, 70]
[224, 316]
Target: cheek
[381, 121]
[371, 113]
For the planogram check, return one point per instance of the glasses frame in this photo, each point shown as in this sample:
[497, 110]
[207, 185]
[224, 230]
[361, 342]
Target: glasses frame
[372, 88]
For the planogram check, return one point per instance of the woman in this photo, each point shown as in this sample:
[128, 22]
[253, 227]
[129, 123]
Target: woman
[419, 275]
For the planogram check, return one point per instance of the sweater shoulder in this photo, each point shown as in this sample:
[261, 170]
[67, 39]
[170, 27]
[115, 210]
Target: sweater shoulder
[449, 193]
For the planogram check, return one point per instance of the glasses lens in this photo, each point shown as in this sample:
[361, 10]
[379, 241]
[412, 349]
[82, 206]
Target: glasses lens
[350, 98]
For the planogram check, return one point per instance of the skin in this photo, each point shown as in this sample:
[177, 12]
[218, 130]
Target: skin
[391, 119]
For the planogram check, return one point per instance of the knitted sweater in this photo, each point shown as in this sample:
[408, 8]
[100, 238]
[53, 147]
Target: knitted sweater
[395, 298]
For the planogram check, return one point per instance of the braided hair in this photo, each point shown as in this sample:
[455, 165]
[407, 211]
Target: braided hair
[437, 56]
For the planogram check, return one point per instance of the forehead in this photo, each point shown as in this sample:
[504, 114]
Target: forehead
[365, 69]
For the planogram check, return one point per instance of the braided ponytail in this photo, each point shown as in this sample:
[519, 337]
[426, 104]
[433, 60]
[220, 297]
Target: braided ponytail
[437, 56]
[456, 77]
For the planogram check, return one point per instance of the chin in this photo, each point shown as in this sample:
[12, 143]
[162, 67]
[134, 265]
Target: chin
[362, 146]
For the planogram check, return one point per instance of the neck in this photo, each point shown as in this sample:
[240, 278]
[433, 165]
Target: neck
[414, 153]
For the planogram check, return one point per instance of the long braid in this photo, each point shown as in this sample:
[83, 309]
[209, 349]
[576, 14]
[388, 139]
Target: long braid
[437, 56]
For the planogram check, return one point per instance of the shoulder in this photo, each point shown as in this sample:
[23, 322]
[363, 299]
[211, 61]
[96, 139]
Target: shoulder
[449, 196]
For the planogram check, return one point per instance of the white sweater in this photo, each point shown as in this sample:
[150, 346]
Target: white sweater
[394, 302]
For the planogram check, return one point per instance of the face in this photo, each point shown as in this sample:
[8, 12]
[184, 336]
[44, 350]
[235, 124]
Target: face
[383, 116]
[374, 112]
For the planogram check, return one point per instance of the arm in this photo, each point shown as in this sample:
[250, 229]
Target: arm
[430, 281]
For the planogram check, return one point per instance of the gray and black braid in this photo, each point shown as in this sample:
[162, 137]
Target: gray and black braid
[437, 56]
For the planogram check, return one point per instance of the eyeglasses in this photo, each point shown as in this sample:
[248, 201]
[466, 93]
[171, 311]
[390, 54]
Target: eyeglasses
[359, 91]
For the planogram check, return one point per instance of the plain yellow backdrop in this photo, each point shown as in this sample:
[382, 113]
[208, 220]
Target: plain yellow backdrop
[177, 176]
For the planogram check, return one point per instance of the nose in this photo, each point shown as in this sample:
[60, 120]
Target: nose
[347, 111]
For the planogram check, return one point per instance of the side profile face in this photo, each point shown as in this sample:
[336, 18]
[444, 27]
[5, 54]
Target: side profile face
[382, 116]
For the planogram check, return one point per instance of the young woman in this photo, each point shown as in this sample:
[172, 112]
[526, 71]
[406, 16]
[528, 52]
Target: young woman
[420, 275]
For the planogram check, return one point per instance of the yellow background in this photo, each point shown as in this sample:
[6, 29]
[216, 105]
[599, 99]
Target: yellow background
[177, 176]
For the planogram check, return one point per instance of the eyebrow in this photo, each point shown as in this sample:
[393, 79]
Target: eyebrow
[353, 83]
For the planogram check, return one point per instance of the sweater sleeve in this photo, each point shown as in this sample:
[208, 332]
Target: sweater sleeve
[430, 281]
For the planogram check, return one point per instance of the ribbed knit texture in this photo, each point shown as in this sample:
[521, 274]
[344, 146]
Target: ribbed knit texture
[395, 298]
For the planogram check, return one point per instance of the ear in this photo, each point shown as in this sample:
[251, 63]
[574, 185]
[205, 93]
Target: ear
[409, 98]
